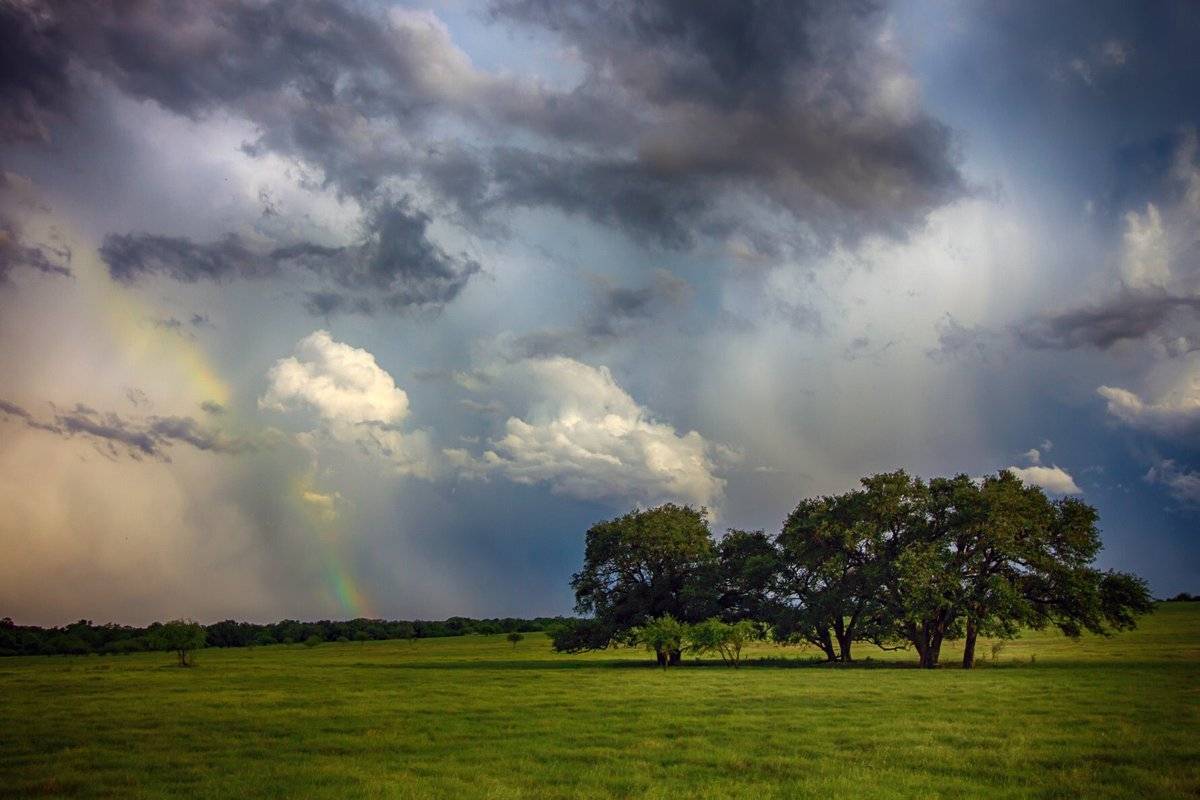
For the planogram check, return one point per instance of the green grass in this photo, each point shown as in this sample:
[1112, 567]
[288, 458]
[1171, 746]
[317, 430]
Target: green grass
[474, 717]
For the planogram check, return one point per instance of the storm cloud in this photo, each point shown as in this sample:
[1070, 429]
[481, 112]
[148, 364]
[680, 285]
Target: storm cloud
[395, 266]
[116, 435]
[1126, 316]
[616, 313]
[682, 107]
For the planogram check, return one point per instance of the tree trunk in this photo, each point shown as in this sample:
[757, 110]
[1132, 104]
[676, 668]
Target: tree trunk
[926, 653]
[844, 637]
[825, 642]
[661, 657]
[936, 647]
[676, 657]
[968, 661]
[928, 641]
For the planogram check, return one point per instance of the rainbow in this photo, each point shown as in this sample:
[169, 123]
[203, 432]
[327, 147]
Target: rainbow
[324, 518]
[142, 346]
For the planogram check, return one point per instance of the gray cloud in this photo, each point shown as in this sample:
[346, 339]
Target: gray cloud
[16, 251]
[798, 102]
[33, 74]
[617, 312]
[212, 407]
[801, 107]
[1183, 484]
[115, 435]
[958, 341]
[1125, 316]
[393, 267]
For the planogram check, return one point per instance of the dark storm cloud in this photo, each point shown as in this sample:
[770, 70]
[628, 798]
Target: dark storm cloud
[616, 312]
[684, 108]
[33, 73]
[622, 193]
[310, 74]
[1129, 315]
[797, 101]
[116, 435]
[134, 255]
[395, 266]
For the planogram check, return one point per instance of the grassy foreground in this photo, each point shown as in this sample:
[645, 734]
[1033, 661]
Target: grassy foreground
[475, 717]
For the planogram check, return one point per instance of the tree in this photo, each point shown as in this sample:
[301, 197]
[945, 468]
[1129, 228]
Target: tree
[961, 557]
[515, 637]
[182, 636]
[579, 635]
[723, 638]
[748, 565]
[829, 574]
[642, 566]
[664, 636]
[406, 630]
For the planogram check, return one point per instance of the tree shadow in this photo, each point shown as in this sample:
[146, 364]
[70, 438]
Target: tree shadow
[568, 663]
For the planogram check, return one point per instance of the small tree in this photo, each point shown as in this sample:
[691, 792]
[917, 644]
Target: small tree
[515, 637]
[663, 636]
[182, 636]
[313, 641]
[723, 638]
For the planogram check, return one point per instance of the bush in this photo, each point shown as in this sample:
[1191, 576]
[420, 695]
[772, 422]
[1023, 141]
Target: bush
[725, 639]
[664, 637]
[313, 641]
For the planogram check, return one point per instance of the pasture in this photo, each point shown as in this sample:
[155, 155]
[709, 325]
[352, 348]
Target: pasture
[477, 717]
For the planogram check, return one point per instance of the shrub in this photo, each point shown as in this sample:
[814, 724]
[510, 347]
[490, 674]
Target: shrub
[725, 639]
[664, 637]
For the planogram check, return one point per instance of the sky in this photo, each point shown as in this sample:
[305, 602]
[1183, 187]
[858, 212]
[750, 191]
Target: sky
[328, 309]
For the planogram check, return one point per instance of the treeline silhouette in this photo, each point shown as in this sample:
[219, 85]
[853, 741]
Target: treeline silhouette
[84, 637]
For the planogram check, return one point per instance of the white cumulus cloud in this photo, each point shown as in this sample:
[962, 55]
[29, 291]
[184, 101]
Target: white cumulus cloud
[339, 382]
[1172, 414]
[1053, 479]
[357, 400]
[583, 435]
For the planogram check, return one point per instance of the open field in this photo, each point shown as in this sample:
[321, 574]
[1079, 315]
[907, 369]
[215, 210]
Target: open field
[475, 717]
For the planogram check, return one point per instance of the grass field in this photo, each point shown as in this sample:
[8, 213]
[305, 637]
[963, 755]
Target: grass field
[475, 717]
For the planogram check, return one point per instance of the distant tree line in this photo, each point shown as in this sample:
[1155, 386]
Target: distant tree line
[84, 637]
[899, 562]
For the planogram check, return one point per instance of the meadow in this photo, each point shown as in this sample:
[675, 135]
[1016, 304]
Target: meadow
[475, 716]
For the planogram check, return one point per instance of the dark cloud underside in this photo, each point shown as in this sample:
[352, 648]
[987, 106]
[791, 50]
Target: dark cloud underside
[115, 435]
[683, 106]
[393, 267]
[1128, 316]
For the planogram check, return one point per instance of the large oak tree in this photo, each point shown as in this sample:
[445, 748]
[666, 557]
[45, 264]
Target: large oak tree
[644, 565]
